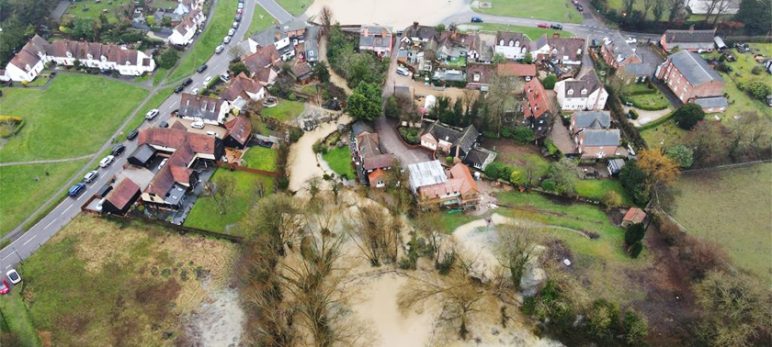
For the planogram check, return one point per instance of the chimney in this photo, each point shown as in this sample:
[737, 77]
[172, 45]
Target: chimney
[556, 35]
[415, 25]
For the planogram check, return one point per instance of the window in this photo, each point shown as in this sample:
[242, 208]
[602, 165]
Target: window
[476, 77]
[570, 92]
[584, 91]
[511, 43]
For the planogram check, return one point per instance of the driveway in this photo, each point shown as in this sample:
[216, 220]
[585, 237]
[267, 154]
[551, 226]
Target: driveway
[392, 143]
[561, 138]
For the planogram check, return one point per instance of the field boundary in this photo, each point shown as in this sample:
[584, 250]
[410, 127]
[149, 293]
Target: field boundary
[727, 166]
[237, 167]
[179, 228]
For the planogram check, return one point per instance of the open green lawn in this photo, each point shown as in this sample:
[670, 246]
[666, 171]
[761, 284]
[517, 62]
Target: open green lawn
[533, 33]
[600, 263]
[104, 283]
[261, 20]
[644, 97]
[339, 160]
[260, 158]
[91, 9]
[203, 47]
[663, 135]
[597, 189]
[739, 101]
[206, 213]
[295, 7]
[15, 315]
[159, 75]
[733, 208]
[553, 10]
[285, 111]
[450, 221]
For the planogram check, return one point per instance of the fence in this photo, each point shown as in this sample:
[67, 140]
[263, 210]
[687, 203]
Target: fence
[237, 167]
[179, 228]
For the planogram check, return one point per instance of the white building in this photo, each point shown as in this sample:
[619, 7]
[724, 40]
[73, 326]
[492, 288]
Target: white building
[586, 93]
[31, 59]
[183, 33]
[511, 45]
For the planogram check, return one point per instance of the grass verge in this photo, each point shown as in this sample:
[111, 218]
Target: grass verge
[597, 189]
[533, 33]
[260, 158]
[285, 111]
[17, 318]
[295, 7]
[552, 10]
[261, 20]
[339, 160]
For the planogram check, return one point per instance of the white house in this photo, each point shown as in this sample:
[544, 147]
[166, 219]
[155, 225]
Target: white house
[31, 59]
[210, 110]
[586, 93]
[183, 33]
[511, 45]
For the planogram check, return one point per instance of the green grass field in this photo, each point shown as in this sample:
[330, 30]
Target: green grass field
[15, 315]
[533, 33]
[206, 214]
[739, 101]
[663, 135]
[203, 47]
[285, 111]
[732, 208]
[260, 158]
[597, 189]
[552, 10]
[97, 282]
[90, 9]
[339, 160]
[644, 97]
[154, 102]
[295, 7]
[261, 20]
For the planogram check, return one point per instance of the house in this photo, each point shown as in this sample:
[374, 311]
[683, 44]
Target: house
[564, 51]
[598, 143]
[241, 90]
[517, 70]
[311, 45]
[183, 33]
[374, 161]
[688, 40]
[479, 75]
[513, 46]
[301, 71]
[537, 108]
[377, 39]
[479, 158]
[617, 53]
[31, 59]
[261, 64]
[585, 93]
[417, 47]
[712, 104]
[184, 151]
[486, 46]
[456, 49]
[448, 140]
[436, 188]
[142, 156]
[691, 78]
[119, 200]
[590, 120]
[633, 216]
[210, 110]
[239, 130]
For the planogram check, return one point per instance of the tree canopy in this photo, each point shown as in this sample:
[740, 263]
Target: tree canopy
[688, 115]
[365, 101]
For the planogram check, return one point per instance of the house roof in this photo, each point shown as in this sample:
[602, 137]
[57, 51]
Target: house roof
[374, 36]
[312, 44]
[599, 137]
[375, 175]
[30, 53]
[619, 48]
[484, 71]
[592, 119]
[478, 156]
[186, 145]
[239, 129]
[689, 36]
[460, 182]
[634, 215]
[143, 153]
[516, 70]
[694, 68]
[507, 36]
[123, 194]
[569, 47]
[185, 25]
[264, 57]
[537, 104]
[458, 39]
[461, 172]
[378, 161]
[422, 32]
[465, 138]
[238, 85]
[589, 82]
[301, 69]
[368, 144]
[200, 106]
[426, 173]
[359, 127]
[639, 69]
[712, 102]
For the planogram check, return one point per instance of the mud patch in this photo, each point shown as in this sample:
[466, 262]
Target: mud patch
[219, 321]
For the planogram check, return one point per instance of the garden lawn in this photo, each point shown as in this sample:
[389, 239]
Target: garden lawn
[664, 135]
[600, 263]
[21, 194]
[739, 101]
[15, 315]
[295, 7]
[203, 47]
[284, 111]
[261, 20]
[552, 10]
[450, 221]
[533, 33]
[206, 213]
[260, 158]
[597, 189]
[644, 97]
[731, 208]
[98, 281]
[339, 160]
[92, 9]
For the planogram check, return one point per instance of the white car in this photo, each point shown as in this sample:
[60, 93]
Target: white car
[241, 5]
[226, 40]
[90, 176]
[211, 133]
[224, 77]
[197, 124]
[106, 161]
[207, 80]
[13, 276]
[219, 49]
[194, 91]
[235, 25]
[151, 114]
[631, 40]
[231, 32]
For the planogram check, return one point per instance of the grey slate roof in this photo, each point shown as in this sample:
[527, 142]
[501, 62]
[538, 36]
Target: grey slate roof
[142, 154]
[601, 137]
[592, 119]
[638, 70]
[477, 157]
[374, 36]
[694, 68]
[359, 127]
[465, 138]
[689, 36]
[589, 81]
[712, 102]
[311, 44]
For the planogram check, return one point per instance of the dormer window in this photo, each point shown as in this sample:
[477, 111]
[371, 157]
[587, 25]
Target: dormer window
[511, 43]
[570, 92]
[69, 55]
[584, 91]
[476, 77]
[501, 42]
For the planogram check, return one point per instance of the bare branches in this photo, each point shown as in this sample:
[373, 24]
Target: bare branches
[375, 234]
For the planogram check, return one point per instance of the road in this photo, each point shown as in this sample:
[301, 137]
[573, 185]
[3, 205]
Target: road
[66, 210]
[275, 10]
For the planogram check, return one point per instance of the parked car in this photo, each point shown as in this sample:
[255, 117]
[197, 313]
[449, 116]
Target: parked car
[211, 133]
[13, 276]
[240, 11]
[224, 77]
[106, 161]
[226, 40]
[403, 71]
[631, 40]
[4, 287]
[235, 25]
[241, 5]
[237, 18]
[164, 124]
[476, 19]
[194, 91]
[118, 149]
[557, 26]
[132, 135]
[543, 25]
[151, 114]
[197, 124]
[201, 68]
[187, 81]
[580, 8]
[75, 190]
[231, 32]
[219, 49]
[179, 89]
[90, 176]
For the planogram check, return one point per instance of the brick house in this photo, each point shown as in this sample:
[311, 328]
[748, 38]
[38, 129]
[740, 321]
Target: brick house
[479, 75]
[514, 46]
[375, 38]
[690, 78]
[618, 53]
[436, 188]
[688, 40]
[537, 108]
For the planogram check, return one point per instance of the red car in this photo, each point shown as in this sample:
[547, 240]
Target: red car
[543, 25]
[4, 287]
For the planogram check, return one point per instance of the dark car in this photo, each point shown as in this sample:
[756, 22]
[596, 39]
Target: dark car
[557, 26]
[118, 149]
[164, 125]
[178, 89]
[477, 20]
[132, 135]
[187, 82]
[237, 18]
[75, 190]
[201, 68]
[579, 8]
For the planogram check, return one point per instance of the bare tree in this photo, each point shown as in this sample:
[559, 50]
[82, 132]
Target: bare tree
[658, 10]
[374, 233]
[721, 8]
[503, 98]
[221, 190]
[515, 250]
[326, 17]
[676, 7]
[277, 216]
[236, 51]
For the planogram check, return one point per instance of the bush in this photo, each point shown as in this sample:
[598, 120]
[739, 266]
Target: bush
[168, 58]
[549, 81]
[634, 182]
[449, 160]
[612, 199]
[757, 70]
[410, 135]
[633, 114]
[634, 234]
[548, 185]
[687, 116]
[523, 135]
[682, 155]
[758, 90]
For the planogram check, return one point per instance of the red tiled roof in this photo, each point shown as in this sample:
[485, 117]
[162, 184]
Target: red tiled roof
[461, 172]
[264, 57]
[123, 193]
[634, 215]
[516, 70]
[537, 103]
[239, 128]
[378, 161]
[177, 138]
[461, 182]
[238, 85]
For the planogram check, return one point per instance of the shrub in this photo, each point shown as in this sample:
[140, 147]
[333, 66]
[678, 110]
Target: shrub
[168, 58]
[549, 81]
[758, 89]
[687, 116]
[634, 182]
[523, 135]
[757, 70]
[517, 177]
[612, 199]
[634, 234]
[682, 155]
[551, 148]
[633, 114]
[548, 185]
[449, 160]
